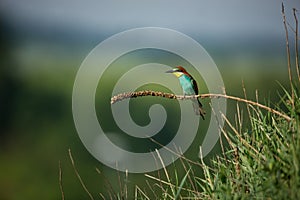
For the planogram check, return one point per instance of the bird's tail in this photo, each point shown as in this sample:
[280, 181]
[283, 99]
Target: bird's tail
[198, 108]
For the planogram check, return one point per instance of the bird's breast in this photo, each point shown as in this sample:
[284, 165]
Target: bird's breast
[187, 85]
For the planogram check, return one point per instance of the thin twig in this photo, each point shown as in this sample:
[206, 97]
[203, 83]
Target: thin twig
[123, 96]
[189, 176]
[102, 196]
[163, 164]
[245, 96]
[175, 153]
[288, 52]
[296, 43]
[167, 183]
[128, 95]
[151, 188]
[120, 182]
[139, 191]
[220, 132]
[205, 170]
[243, 141]
[78, 176]
[239, 118]
[107, 185]
[60, 181]
[126, 187]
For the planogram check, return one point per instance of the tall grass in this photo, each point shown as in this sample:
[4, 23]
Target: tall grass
[259, 162]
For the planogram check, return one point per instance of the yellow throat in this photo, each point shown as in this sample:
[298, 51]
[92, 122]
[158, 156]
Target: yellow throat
[178, 74]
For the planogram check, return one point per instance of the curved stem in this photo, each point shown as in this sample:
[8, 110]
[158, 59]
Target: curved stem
[127, 95]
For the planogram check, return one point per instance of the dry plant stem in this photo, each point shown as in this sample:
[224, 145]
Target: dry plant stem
[120, 182]
[256, 152]
[163, 164]
[175, 153]
[140, 191]
[205, 169]
[126, 181]
[189, 176]
[123, 96]
[220, 134]
[151, 188]
[245, 96]
[60, 181]
[166, 183]
[288, 51]
[78, 176]
[102, 196]
[296, 43]
[110, 188]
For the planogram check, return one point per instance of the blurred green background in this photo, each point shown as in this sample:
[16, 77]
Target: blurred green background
[43, 44]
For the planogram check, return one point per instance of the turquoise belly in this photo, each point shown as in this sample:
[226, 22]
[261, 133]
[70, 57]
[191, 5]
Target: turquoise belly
[186, 84]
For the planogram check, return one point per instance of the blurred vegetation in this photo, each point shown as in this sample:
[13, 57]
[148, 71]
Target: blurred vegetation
[36, 124]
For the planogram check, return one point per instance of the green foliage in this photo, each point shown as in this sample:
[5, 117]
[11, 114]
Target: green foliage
[266, 168]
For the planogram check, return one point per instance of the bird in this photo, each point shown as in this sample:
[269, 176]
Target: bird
[189, 87]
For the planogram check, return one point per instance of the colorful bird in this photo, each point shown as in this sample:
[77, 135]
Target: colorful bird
[189, 87]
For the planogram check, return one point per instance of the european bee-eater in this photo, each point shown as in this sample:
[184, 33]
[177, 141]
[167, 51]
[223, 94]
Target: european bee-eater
[189, 87]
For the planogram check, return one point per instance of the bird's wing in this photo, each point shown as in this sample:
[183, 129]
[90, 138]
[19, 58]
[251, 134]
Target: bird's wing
[195, 87]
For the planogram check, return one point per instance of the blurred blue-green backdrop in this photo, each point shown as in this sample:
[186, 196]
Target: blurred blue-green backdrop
[44, 42]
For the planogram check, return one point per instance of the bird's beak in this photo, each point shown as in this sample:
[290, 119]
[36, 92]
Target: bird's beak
[169, 71]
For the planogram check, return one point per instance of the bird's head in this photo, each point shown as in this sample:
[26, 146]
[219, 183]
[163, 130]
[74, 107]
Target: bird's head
[177, 71]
